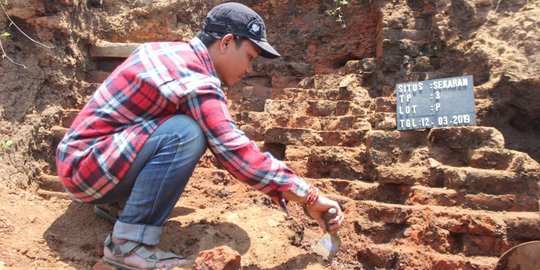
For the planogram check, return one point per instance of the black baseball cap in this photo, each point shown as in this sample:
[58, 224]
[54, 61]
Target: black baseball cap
[242, 21]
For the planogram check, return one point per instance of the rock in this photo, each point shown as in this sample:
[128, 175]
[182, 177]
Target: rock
[219, 258]
[55, 22]
[114, 50]
[22, 13]
[352, 66]
[470, 137]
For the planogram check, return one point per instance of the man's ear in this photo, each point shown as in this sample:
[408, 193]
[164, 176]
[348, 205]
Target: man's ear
[225, 42]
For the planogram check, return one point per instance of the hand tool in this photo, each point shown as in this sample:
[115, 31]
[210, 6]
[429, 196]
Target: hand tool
[328, 245]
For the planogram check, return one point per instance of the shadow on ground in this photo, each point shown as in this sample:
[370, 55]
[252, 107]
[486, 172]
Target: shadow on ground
[299, 262]
[76, 237]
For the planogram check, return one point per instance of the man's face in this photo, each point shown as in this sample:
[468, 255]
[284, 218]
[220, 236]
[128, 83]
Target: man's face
[237, 61]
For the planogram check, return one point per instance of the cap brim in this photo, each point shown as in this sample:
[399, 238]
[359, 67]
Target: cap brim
[267, 51]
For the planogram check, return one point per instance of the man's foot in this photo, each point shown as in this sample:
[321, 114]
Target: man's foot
[126, 254]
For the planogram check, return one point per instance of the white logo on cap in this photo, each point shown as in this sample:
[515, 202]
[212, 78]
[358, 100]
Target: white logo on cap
[255, 28]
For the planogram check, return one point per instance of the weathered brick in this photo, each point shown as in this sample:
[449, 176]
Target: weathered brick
[523, 226]
[383, 256]
[293, 136]
[256, 92]
[503, 202]
[480, 180]
[414, 175]
[389, 213]
[466, 138]
[486, 158]
[114, 50]
[434, 196]
[469, 223]
[385, 104]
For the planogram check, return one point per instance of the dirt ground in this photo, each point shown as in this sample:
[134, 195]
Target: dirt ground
[432, 199]
[61, 234]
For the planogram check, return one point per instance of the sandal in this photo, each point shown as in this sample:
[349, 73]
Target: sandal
[120, 251]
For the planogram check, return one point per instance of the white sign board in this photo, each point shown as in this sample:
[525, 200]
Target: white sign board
[435, 103]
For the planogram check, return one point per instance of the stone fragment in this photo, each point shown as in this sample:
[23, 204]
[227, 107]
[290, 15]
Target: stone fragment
[50, 22]
[22, 13]
[466, 138]
[219, 258]
[117, 50]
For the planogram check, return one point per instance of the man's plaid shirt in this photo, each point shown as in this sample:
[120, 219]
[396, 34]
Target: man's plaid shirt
[157, 81]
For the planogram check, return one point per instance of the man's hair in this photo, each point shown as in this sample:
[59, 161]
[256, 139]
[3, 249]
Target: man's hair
[208, 38]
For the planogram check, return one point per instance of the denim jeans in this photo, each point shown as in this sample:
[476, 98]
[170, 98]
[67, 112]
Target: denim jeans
[156, 179]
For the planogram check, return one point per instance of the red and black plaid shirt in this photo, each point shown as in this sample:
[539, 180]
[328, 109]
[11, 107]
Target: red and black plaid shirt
[156, 81]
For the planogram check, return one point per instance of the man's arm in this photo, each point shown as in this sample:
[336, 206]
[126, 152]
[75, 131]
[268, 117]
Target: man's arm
[242, 158]
[237, 153]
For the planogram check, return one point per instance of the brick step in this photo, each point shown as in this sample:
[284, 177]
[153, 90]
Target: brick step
[467, 180]
[450, 197]
[309, 137]
[330, 81]
[393, 256]
[460, 147]
[498, 159]
[314, 162]
[443, 231]
[466, 138]
[364, 189]
[320, 81]
[327, 161]
[257, 131]
[333, 94]
[263, 119]
[112, 50]
[313, 107]
[263, 93]
[412, 176]
[447, 230]
[498, 182]
[108, 56]
[257, 104]
[454, 145]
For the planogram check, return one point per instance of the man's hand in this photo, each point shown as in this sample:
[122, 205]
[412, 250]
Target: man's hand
[320, 207]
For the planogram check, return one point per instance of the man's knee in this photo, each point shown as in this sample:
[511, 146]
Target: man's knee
[192, 133]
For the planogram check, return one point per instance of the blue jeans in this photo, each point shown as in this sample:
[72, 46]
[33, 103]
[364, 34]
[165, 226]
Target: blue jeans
[156, 179]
